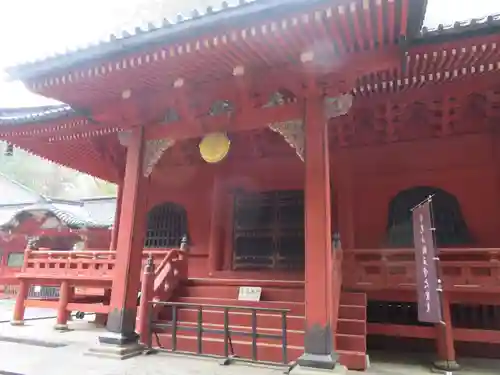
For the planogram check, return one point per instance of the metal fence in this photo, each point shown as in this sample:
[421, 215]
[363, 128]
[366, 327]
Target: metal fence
[43, 292]
[157, 326]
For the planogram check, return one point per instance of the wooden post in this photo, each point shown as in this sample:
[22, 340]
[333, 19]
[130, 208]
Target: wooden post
[116, 224]
[130, 242]
[444, 340]
[214, 245]
[62, 313]
[318, 345]
[19, 308]
[147, 291]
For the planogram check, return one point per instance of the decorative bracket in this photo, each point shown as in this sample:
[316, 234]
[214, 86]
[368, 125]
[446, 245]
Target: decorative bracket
[293, 133]
[153, 152]
[337, 106]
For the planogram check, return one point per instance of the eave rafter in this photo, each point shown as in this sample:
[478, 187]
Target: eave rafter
[341, 29]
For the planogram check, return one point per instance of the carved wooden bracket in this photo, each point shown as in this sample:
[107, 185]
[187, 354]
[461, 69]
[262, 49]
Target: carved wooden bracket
[337, 106]
[153, 151]
[293, 133]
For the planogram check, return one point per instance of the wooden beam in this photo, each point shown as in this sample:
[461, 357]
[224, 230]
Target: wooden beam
[431, 89]
[249, 120]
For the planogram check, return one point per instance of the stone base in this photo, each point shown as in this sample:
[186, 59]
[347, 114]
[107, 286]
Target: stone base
[61, 327]
[17, 322]
[120, 352]
[302, 370]
[118, 339]
[445, 367]
[319, 361]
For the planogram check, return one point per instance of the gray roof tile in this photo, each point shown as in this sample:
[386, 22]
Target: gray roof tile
[13, 116]
[227, 13]
[72, 215]
[462, 28]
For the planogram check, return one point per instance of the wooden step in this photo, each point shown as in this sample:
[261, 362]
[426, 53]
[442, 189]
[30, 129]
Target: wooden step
[351, 326]
[289, 284]
[352, 312]
[353, 343]
[231, 292]
[242, 318]
[294, 338]
[242, 348]
[353, 299]
[265, 352]
[295, 308]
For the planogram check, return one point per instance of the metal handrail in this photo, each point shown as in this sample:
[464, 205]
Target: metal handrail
[229, 356]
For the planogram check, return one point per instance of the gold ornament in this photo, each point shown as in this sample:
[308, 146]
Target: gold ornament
[214, 147]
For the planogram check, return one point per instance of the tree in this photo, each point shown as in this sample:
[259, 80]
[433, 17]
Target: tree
[51, 179]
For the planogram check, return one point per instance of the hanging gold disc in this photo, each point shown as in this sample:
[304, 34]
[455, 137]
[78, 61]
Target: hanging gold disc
[214, 147]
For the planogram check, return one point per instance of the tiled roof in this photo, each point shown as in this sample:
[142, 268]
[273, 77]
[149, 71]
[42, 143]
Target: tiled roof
[72, 215]
[12, 116]
[101, 210]
[473, 26]
[226, 14]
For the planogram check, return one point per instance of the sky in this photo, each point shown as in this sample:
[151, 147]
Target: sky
[33, 29]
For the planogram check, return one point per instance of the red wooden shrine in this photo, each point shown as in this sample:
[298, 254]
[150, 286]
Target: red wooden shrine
[28, 219]
[312, 201]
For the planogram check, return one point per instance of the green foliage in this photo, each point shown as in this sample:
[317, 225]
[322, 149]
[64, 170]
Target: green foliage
[51, 179]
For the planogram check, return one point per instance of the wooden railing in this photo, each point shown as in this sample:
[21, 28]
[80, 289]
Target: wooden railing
[170, 271]
[467, 269]
[90, 264]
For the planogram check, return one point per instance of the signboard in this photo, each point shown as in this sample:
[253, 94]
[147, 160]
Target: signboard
[249, 293]
[428, 285]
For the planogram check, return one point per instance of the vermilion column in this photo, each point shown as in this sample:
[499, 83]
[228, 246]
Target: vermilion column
[129, 245]
[116, 223]
[214, 245]
[318, 345]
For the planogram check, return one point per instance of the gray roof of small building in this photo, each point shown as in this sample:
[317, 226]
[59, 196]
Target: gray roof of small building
[74, 215]
[17, 199]
[101, 209]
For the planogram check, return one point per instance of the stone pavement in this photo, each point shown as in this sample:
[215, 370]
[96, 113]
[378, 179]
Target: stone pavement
[28, 359]
[6, 306]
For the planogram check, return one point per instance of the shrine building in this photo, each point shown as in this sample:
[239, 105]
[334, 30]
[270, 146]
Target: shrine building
[276, 148]
[28, 218]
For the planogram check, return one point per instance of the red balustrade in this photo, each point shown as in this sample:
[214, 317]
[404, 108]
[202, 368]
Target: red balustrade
[90, 264]
[464, 269]
[84, 270]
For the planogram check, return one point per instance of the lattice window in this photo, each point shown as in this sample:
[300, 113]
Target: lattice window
[451, 229]
[269, 230]
[167, 224]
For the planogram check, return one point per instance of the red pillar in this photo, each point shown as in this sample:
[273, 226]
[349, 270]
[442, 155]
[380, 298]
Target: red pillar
[19, 308]
[62, 313]
[147, 291]
[318, 345]
[214, 245]
[130, 242]
[444, 337]
[116, 224]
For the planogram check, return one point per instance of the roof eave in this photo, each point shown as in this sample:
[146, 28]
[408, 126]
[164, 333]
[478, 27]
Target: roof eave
[158, 36]
[452, 35]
